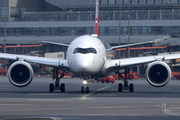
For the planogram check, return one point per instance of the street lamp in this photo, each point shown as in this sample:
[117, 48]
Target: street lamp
[4, 26]
[119, 22]
[128, 52]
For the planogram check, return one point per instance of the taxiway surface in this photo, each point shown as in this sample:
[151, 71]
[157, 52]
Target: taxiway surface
[103, 101]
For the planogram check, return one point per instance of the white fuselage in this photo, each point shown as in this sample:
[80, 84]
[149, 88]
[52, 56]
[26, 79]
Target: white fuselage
[86, 56]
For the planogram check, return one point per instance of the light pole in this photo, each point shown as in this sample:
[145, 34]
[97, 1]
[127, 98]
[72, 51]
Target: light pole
[129, 31]
[4, 26]
[119, 22]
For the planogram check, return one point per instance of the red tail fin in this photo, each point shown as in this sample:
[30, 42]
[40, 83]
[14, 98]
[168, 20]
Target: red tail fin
[97, 19]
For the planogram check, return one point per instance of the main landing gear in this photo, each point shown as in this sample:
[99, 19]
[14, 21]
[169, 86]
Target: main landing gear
[84, 88]
[126, 85]
[57, 86]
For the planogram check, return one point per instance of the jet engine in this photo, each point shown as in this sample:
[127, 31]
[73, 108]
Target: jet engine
[158, 73]
[20, 73]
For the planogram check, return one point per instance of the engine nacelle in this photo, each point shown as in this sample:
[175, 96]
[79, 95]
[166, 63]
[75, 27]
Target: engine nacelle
[158, 74]
[20, 73]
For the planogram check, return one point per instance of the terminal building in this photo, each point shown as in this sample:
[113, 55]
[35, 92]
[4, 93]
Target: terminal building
[32, 21]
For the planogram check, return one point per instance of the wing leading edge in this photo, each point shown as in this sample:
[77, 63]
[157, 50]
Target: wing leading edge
[120, 63]
[40, 60]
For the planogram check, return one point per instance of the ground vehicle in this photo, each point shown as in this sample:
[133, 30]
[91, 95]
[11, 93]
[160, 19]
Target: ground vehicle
[107, 79]
[176, 75]
[3, 71]
[130, 76]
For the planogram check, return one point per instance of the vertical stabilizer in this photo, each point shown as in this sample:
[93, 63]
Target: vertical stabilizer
[97, 19]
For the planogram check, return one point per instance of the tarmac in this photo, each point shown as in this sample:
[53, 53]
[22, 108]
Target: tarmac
[103, 102]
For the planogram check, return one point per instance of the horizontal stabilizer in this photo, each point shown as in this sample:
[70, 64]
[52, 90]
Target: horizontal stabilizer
[156, 41]
[60, 44]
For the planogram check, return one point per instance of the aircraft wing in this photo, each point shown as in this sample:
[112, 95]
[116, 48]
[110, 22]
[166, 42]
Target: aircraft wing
[61, 44]
[40, 60]
[141, 43]
[120, 63]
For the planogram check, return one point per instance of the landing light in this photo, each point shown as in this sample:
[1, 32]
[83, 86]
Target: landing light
[84, 82]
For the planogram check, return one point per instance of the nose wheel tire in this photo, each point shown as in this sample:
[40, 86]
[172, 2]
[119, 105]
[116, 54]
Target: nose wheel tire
[84, 89]
[51, 88]
[87, 90]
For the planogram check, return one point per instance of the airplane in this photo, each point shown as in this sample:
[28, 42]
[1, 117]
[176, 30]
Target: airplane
[86, 59]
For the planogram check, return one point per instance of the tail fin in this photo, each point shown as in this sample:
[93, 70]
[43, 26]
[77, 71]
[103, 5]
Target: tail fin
[97, 19]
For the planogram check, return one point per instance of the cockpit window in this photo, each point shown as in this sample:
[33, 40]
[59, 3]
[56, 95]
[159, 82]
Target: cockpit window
[85, 50]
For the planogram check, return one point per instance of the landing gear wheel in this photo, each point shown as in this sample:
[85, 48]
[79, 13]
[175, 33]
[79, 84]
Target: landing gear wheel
[51, 87]
[82, 89]
[131, 88]
[62, 87]
[120, 87]
[87, 89]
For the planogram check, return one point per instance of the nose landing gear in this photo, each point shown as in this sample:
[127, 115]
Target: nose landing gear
[84, 88]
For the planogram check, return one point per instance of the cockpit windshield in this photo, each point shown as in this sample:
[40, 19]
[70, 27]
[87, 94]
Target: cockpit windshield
[85, 50]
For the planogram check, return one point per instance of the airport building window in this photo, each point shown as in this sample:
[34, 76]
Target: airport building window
[66, 2]
[126, 1]
[150, 1]
[134, 30]
[133, 14]
[3, 10]
[103, 2]
[73, 2]
[155, 15]
[111, 30]
[173, 1]
[157, 1]
[80, 2]
[118, 1]
[168, 1]
[167, 14]
[174, 31]
[143, 14]
[88, 2]
[142, 1]
[164, 14]
[111, 2]
[176, 14]
[94, 2]
[134, 2]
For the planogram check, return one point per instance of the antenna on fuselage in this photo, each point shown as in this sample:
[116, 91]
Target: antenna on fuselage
[96, 32]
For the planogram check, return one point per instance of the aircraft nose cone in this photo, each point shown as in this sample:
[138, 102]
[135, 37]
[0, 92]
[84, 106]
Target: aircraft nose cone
[84, 66]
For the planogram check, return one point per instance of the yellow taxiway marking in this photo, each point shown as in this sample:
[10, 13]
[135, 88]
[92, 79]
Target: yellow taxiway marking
[85, 96]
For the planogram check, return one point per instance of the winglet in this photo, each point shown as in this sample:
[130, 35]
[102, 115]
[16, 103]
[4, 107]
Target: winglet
[97, 19]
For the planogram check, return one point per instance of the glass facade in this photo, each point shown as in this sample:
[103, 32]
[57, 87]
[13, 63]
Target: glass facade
[174, 31]
[112, 2]
[164, 14]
